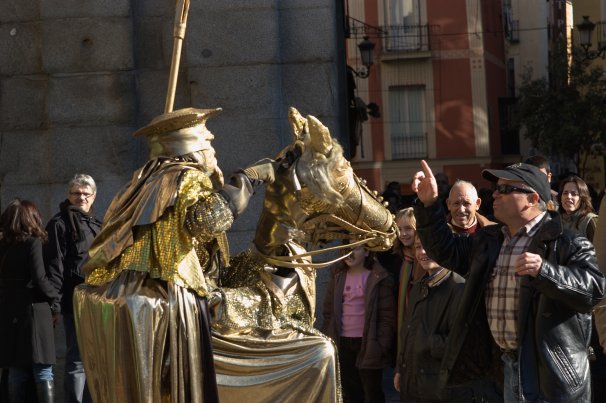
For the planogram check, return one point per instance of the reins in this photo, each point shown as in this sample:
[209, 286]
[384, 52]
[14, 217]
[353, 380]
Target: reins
[328, 233]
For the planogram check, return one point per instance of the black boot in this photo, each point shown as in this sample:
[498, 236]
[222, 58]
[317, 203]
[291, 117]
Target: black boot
[16, 392]
[45, 391]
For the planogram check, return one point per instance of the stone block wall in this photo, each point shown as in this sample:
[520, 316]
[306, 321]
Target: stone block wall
[78, 77]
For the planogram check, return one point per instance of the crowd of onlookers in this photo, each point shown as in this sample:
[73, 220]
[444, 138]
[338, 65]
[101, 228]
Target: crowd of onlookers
[487, 295]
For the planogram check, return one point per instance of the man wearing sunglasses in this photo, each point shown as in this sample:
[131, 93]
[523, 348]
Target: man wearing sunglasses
[530, 288]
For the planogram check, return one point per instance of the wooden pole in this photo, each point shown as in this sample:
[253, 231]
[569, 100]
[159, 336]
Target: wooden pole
[181, 11]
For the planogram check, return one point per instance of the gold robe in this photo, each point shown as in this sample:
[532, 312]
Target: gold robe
[138, 300]
[138, 316]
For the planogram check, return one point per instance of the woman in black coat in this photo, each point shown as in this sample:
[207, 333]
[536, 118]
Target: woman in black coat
[27, 345]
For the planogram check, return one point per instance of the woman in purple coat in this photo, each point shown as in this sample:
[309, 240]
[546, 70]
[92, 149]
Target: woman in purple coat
[27, 345]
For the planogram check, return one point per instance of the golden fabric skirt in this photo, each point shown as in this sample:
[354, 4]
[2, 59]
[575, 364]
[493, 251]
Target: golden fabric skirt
[140, 341]
[131, 330]
[301, 369]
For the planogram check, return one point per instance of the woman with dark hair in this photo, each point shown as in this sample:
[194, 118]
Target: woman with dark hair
[576, 208]
[578, 216]
[27, 345]
[359, 315]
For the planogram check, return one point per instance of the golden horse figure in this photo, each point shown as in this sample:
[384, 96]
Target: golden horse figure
[142, 321]
[265, 347]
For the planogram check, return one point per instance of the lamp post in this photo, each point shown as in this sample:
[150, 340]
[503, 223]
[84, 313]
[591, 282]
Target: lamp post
[586, 28]
[366, 54]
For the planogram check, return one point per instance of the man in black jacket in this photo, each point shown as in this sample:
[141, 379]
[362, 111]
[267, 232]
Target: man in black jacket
[531, 282]
[70, 234]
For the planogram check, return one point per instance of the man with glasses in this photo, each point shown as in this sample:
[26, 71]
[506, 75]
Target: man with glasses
[530, 282]
[70, 234]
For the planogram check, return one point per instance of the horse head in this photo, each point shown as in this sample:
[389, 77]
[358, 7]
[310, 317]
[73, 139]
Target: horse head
[317, 198]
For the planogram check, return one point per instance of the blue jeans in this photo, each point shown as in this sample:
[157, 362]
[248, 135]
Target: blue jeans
[511, 392]
[41, 372]
[75, 379]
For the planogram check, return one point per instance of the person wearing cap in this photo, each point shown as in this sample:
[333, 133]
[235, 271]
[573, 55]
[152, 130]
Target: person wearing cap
[530, 287]
[142, 315]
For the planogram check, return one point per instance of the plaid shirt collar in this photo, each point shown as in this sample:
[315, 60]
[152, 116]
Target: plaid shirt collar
[529, 229]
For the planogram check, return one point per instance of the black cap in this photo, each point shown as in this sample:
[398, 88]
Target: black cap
[526, 173]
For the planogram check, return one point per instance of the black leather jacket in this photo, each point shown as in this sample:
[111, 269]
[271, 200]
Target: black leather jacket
[554, 319]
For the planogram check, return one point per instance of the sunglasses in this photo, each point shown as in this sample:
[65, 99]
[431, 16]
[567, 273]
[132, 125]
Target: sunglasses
[506, 189]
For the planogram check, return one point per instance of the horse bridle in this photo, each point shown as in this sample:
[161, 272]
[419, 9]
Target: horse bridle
[322, 231]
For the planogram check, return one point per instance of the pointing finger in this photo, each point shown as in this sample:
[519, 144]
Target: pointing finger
[427, 169]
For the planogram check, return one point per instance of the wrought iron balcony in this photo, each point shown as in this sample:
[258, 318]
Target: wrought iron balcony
[408, 146]
[406, 38]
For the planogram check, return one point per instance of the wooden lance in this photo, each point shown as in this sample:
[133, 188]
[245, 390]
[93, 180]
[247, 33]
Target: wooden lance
[181, 11]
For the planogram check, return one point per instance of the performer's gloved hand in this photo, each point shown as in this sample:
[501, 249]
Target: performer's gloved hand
[262, 170]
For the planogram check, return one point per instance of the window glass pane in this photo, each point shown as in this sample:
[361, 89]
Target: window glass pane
[403, 25]
[407, 122]
[403, 12]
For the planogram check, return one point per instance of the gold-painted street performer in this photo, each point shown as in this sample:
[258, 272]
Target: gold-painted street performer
[264, 343]
[159, 281]
[142, 318]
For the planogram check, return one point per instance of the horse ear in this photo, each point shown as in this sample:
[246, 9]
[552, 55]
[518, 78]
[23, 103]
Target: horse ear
[297, 122]
[321, 141]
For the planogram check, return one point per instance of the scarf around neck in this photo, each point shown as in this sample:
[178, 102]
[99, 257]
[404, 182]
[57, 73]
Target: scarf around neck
[73, 219]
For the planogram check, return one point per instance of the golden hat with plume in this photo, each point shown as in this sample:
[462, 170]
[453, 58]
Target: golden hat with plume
[178, 132]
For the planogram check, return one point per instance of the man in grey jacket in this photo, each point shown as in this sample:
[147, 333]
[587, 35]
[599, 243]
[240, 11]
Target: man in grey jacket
[531, 282]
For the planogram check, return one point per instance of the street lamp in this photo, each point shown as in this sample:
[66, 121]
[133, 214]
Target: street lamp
[586, 28]
[366, 48]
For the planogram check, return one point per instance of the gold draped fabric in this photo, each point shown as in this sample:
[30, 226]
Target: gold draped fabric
[165, 250]
[151, 191]
[276, 370]
[264, 345]
[138, 325]
[124, 328]
[138, 315]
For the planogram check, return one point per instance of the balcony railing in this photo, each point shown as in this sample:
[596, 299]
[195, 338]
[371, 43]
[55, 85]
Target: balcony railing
[512, 32]
[410, 38]
[409, 146]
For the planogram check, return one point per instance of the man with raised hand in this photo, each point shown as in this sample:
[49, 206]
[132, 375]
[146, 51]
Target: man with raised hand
[532, 283]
